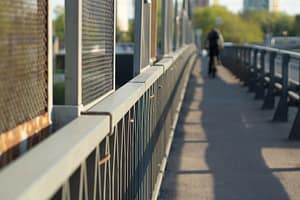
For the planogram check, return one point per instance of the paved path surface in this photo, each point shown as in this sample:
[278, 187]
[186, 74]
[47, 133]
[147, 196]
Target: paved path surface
[225, 147]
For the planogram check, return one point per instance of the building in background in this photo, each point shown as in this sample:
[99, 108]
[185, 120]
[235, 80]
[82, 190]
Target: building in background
[256, 5]
[269, 5]
[275, 5]
[201, 3]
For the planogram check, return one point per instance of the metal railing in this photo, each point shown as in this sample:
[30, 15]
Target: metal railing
[90, 53]
[116, 150]
[118, 143]
[25, 75]
[269, 73]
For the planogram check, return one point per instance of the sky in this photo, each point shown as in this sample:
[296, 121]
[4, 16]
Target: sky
[289, 6]
[57, 2]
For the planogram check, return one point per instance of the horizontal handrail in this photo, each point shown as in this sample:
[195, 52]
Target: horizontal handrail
[135, 88]
[41, 171]
[268, 49]
[269, 72]
[44, 169]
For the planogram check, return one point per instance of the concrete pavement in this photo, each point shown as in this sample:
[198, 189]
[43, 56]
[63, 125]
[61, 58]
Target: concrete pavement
[226, 147]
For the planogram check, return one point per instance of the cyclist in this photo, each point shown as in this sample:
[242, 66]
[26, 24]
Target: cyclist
[215, 44]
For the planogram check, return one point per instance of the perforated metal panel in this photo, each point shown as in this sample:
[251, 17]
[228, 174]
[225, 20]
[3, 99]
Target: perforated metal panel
[23, 61]
[97, 49]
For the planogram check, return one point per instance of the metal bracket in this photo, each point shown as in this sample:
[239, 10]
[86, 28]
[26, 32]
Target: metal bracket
[152, 96]
[105, 159]
[101, 114]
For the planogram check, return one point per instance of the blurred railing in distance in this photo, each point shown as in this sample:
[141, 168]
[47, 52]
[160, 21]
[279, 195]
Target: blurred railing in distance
[269, 73]
[117, 147]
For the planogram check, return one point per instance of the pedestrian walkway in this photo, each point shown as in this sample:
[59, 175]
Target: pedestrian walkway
[226, 148]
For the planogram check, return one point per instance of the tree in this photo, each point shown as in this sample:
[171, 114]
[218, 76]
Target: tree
[59, 23]
[297, 25]
[271, 22]
[126, 36]
[234, 28]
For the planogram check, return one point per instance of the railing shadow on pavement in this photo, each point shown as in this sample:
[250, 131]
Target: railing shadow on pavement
[269, 73]
[233, 161]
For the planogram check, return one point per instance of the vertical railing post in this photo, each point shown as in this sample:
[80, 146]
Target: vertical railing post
[142, 50]
[153, 31]
[295, 133]
[281, 113]
[260, 88]
[190, 26]
[167, 26]
[184, 22]
[239, 55]
[50, 61]
[175, 38]
[239, 61]
[269, 101]
[253, 72]
[238, 70]
[138, 22]
[247, 69]
[177, 23]
[170, 25]
[73, 90]
[244, 69]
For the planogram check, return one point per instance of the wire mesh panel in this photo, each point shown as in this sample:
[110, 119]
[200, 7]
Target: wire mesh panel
[23, 68]
[97, 49]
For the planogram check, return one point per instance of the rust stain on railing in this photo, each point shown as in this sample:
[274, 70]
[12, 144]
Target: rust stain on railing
[105, 159]
[23, 131]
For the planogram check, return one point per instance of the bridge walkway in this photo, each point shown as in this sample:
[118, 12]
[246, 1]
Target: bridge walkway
[226, 147]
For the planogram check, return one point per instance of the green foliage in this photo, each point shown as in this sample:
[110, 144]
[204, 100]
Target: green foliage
[234, 28]
[126, 36]
[59, 93]
[59, 23]
[272, 22]
[297, 25]
[159, 23]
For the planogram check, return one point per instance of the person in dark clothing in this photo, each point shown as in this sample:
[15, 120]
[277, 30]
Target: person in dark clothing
[215, 44]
